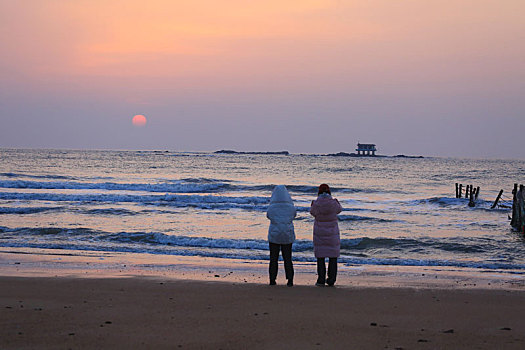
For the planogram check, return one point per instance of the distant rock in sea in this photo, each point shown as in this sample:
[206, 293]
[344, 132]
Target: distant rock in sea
[342, 154]
[228, 151]
[403, 156]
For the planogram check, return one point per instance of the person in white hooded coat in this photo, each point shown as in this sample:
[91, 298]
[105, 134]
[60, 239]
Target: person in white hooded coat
[281, 235]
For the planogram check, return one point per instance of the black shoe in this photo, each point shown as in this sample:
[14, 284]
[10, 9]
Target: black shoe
[290, 283]
[319, 284]
[330, 284]
[272, 283]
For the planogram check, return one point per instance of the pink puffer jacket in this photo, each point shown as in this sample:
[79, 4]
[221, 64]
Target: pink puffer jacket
[326, 230]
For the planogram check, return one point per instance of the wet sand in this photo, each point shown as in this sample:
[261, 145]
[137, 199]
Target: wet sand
[24, 262]
[89, 313]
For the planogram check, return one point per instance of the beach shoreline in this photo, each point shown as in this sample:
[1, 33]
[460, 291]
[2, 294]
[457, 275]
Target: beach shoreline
[27, 262]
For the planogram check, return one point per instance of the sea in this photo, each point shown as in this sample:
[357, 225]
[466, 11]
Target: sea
[397, 211]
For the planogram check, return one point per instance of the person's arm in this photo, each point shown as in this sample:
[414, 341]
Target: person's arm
[269, 212]
[313, 209]
[339, 207]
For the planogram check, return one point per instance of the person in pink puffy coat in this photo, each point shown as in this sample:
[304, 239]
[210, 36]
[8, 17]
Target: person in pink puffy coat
[326, 234]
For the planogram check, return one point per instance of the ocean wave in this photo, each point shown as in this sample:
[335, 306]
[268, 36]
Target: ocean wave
[355, 251]
[202, 180]
[450, 202]
[262, 254]
[92, 211]
[439, 201]
[186, 185]
[196, 201]
[33, 176]
[157, 238]
[180, 187]
[149, 238]
[434, 262]
[420, 244]
[109, 211]
[26, 210]
[363, 218]
[474, 246]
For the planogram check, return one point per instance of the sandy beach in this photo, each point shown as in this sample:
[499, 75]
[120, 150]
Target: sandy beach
[73, 313]
[121, 302]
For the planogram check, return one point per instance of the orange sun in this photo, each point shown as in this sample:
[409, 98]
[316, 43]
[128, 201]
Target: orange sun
[139, 120]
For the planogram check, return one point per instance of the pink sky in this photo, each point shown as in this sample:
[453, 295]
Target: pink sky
[442, 78]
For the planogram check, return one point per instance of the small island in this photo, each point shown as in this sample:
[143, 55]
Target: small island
[364, 150]
[403, 156]
[227, 151]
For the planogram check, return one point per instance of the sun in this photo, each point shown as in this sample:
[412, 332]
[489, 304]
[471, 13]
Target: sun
[139, 120]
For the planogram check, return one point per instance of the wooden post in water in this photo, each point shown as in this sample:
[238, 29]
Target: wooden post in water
[457, 189]
[460, 190]
[471, 198]
[467, 191]
[477, 193]
[521, 210]
[497, 199]
[514, 206]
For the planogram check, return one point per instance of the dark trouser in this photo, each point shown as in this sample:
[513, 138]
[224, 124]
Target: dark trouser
[287, 257]
[321, 271]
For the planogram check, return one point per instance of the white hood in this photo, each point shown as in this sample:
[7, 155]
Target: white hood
[280, 195]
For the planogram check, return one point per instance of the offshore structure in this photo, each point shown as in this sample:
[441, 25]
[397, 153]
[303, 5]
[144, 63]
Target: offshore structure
[366, 149]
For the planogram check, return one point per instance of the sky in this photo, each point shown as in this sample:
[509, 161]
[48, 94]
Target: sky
[434, 77]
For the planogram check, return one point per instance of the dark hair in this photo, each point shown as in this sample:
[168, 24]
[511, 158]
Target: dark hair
[324, 188]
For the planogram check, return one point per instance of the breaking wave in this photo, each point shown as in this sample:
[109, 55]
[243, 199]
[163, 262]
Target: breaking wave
[356, 251]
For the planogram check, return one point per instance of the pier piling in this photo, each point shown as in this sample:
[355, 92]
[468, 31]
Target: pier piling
[514, 192]
[471, 193]
[471, 202]
[497, 199]
[518, 208]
